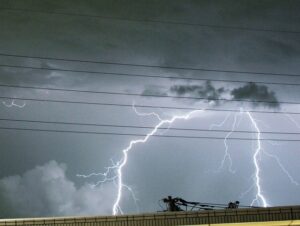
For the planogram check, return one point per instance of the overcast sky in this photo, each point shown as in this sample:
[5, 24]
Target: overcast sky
[38, 169]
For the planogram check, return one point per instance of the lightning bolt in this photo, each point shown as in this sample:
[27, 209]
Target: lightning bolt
[259, 197]
[107, 176]
[220, 124]
[293, 181]
[13, 104]
[227, 155]
[110, 176]
[132, 143]
[146, 114]
[293, 120]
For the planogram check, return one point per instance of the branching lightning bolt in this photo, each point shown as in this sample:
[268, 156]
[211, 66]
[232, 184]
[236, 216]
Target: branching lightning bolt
[146, 114]
[221, 123]
[13, 104]
[116, 169]
[259, 198]
[108, 175]
[114, 172]
[227, 154]
[132, 143]
[293, 120]
[282, 167]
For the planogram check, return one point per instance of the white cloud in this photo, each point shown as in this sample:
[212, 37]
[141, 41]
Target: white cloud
[46, 191]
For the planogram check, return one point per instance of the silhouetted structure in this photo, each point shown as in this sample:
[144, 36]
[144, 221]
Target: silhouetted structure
[177, 204]
[233, 205]
[279, 216]
[172, 203]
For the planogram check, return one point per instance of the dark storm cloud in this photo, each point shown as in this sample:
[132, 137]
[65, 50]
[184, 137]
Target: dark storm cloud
[206, 91]
[154, 43]
[260, 94]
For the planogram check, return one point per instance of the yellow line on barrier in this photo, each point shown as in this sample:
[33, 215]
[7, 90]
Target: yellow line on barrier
[267, 223]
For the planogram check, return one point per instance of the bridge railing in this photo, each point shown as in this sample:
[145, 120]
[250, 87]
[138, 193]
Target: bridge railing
[169, 218]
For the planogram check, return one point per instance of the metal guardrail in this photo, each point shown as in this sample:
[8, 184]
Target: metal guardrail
[273, 214]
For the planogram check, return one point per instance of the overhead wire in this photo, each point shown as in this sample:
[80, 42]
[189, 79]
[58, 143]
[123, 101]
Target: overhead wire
[145, 106]
[147, 75]
[143, 127]
[148, 65]
[143, 135]
[150, 95]
[155, 21]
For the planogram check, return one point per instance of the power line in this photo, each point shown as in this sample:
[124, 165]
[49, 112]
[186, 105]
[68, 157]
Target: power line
[145, 106]
[149, 95]
[142, 135]
[146, 127]
[168, 22]
[146, 76]
[149, 66]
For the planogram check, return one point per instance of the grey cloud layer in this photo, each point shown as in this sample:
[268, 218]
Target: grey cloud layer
[259, 95]
[207, 91]
[45, 191]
